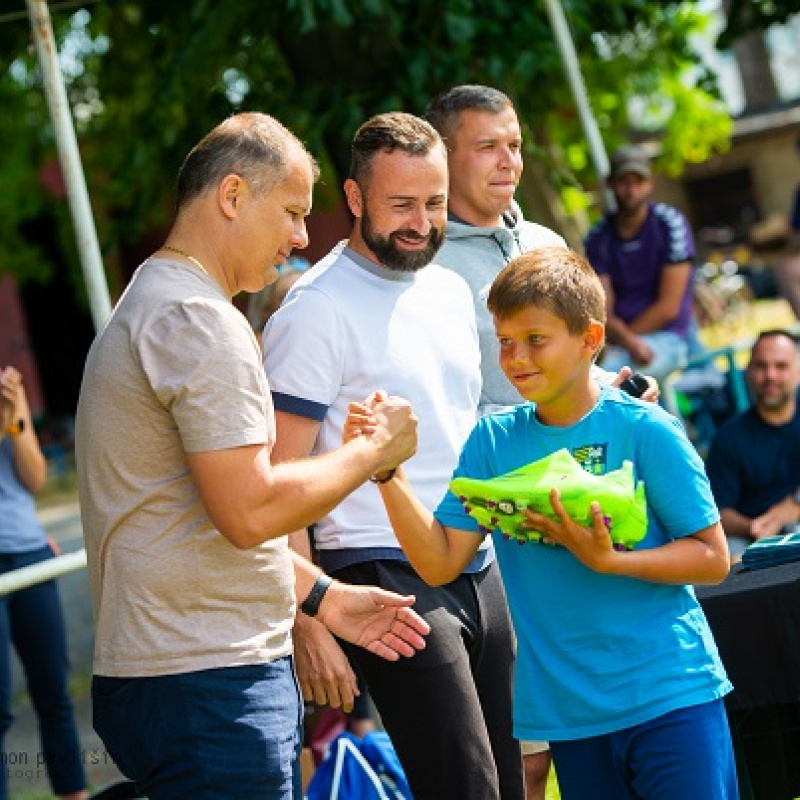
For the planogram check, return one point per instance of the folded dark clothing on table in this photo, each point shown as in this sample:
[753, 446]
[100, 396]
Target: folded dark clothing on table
[772, 551]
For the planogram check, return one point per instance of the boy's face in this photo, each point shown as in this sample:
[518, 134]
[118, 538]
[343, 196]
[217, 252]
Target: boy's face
[543, 360]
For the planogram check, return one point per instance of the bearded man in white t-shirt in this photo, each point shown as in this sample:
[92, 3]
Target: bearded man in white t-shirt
[377, 312]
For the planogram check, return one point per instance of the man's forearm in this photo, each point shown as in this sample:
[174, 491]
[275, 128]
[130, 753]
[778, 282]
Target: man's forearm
[251, 501]
[655, 318]
[29, 461]
[619, 333]
[735, 524]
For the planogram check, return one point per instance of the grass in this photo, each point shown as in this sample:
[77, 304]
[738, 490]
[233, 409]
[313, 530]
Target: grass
[744, 324]
[61, 486]
[552, 793]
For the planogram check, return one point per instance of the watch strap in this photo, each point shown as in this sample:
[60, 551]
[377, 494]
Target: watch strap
[15, 428]
[310, 606]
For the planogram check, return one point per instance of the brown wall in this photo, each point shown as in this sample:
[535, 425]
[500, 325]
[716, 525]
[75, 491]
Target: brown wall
[768, 161]
[15, 348]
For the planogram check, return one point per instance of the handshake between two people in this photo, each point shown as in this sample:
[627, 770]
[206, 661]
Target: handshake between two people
[390, 422]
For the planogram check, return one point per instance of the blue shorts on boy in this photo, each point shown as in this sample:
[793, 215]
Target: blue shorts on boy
[600, 653]
[664, 759]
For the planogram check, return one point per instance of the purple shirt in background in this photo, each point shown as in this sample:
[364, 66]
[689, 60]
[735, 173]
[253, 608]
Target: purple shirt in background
[634, 265]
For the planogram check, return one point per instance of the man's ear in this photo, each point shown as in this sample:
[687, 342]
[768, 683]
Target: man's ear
[355, 199]
[230, 194]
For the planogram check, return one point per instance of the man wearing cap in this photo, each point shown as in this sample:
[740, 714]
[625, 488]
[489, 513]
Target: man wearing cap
[644, 255]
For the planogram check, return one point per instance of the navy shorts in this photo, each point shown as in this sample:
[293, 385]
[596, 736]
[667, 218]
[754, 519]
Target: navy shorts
[686, 753]
[207, 735]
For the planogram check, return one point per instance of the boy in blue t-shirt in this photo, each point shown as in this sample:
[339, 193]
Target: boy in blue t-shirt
[616, 665]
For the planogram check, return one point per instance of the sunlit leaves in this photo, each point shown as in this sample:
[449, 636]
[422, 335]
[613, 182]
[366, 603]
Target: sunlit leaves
[150, 77]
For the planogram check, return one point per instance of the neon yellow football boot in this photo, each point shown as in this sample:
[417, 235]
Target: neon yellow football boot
[497, 503]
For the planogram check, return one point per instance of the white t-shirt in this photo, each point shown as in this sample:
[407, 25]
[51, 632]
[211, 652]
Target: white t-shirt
[349, 327]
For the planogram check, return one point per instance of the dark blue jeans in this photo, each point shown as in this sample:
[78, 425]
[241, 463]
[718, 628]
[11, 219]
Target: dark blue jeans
[207, 735]
[32, 621]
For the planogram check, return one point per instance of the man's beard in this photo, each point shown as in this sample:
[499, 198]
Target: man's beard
[630, 208]
[773, 402]
[391, 256]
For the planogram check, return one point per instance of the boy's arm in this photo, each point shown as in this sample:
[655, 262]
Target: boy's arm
[701, 558]
[438, 553]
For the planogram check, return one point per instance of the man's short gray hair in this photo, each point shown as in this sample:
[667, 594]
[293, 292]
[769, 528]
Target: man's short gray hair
[252, 145]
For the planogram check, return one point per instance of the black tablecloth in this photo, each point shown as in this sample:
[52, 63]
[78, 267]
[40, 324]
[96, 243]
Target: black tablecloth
[755, 618]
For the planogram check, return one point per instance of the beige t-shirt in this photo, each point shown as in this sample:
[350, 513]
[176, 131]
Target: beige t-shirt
[177, 369]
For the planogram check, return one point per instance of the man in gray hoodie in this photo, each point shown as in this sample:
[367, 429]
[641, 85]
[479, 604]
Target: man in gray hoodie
[485, 227]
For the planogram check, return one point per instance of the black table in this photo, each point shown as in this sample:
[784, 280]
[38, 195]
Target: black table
[755, 618]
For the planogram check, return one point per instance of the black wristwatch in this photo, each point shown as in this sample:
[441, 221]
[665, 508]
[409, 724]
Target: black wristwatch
[310, 606]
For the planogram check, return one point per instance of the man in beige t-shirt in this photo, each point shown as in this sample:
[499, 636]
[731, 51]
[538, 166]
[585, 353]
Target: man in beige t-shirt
[193, 585]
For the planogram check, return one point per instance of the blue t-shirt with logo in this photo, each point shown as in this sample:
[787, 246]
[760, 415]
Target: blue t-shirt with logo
[600, 653]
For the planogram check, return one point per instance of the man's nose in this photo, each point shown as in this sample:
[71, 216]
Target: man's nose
[508, 157]
[420, 221]
[300, 235]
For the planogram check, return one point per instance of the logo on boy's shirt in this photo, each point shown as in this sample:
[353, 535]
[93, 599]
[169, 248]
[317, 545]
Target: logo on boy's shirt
[592, 457]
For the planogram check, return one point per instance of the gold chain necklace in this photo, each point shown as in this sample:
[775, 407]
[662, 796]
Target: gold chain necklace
[186, 255]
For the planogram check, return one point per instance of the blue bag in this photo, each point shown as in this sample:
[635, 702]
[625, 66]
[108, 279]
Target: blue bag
[360, 769]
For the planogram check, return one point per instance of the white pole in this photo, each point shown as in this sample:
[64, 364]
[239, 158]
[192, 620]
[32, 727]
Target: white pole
[36, 573]
[69, 157]
[571, 66]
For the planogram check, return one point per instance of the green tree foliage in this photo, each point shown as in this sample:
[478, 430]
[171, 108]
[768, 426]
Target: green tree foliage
[151, 77]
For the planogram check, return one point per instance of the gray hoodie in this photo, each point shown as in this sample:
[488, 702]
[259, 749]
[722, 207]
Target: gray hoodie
[478, 254]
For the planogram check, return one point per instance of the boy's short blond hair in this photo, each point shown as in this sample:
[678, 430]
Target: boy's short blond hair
[555, 279]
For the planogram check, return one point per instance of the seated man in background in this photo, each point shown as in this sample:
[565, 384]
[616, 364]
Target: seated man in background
[754, 461]
[643, 254]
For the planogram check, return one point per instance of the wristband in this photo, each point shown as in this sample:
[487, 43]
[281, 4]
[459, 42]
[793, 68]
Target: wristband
[16, 428]
[310, 606]
[389, 475]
